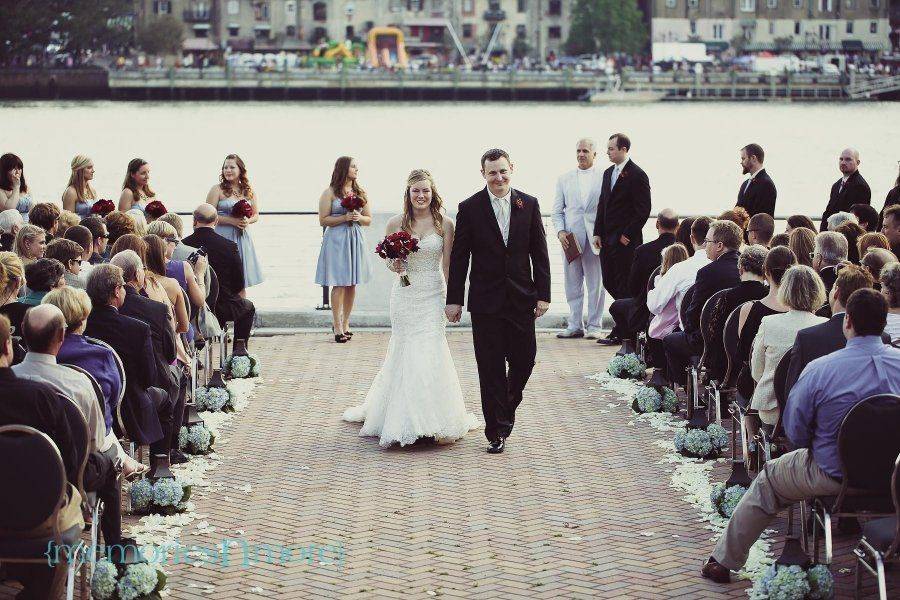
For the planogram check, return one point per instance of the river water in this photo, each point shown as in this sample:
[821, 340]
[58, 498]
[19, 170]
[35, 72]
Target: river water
[689, 150]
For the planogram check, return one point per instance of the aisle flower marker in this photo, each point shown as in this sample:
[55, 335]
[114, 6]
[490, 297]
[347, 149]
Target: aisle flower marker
[793, 583]
[138, 581]
[628, 366]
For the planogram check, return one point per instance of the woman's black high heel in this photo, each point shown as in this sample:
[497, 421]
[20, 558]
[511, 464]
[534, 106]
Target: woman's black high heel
[340, 338]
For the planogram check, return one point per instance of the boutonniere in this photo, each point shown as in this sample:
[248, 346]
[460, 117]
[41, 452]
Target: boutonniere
[519, 203]
[622, 175]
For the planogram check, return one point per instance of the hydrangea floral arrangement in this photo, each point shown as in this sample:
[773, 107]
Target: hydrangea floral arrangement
[783, 582]
[242, 367]
[196, 439]
[628, 366]
[649, 399]
[725, 500]
[214, 399]
[699, 443]
[139, 581]
[165, 496]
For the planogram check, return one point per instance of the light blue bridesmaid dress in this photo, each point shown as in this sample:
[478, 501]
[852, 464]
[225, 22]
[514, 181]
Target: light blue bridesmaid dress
[252, 271]
[344, 258]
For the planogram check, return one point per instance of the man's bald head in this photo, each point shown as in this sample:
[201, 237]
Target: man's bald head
[205, 216]
[848, 163]
[667, 220]
[43, 328]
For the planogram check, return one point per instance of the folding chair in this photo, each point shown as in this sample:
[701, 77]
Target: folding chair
[880, 542]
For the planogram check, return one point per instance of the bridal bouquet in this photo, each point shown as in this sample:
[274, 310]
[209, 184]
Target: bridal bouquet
[155, 210]
[783, 581]
[138, 581]
[725, 500]
[102, 207]
[165, 496]
[242, 208]
[398, 246]
[352, 202]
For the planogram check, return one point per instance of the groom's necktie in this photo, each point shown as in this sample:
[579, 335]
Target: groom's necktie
[501, 209]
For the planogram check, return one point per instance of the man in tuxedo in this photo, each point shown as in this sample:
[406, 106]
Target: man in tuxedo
[621, 214]
[830, 250]
[170, 377]
[819, 340]
[631, 314]
[850, 189]
[500, 229]
[574, 212]
[757, 194]
[722, 242]
[890, 227]
[147, 410]
[232, 303]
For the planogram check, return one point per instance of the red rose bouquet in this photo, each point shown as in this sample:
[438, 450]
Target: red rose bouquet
[242, 208]
[352, 202]
[155, 209]
[102, 207]
[398, 246]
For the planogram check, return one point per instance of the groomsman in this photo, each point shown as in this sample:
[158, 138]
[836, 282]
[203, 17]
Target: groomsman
[574, 212]
[621, 214]
[850, 189]
[757, 194]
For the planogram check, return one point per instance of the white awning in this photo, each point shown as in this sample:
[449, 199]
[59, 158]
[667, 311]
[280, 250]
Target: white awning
[199, 44]
[262, 26]
[200, 25]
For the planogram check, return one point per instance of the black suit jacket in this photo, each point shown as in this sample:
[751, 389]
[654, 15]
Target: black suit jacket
[718, 275]
[132, 341]
[623, 209]
[815, 342]
[515, 275]
[646, 258]
[758, 196]
[856, 191]
[892, 198]
[156, 316]
[225, 260]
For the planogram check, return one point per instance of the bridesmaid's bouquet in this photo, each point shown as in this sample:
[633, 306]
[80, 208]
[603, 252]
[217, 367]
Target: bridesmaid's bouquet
[155, 209]
[398, 246]
[352, 202]
[242, 208]
[103, 207]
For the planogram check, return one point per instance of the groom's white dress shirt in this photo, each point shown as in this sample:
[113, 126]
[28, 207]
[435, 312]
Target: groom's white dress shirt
[501, 211]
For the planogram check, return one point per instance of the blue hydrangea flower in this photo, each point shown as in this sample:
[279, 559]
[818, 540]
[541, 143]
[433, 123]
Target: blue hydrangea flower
[679, 440]
[730, 500]
[760, 589]
[167, 492]
[669, 400]
[239, 366]
[628, 366]
[254, 369]
[141, 494]
[718, 435]
[200, 397]
[103, 582]
[215, 399]
[821, 583]
[138, 580]
[698, 443]
[199, 439]
[715, 496]
[645, 400]
[182, 438]
[789, 583]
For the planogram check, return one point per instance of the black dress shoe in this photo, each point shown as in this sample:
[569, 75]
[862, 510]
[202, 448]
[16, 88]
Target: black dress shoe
[610, 340]
[497, 446]
[718, 573]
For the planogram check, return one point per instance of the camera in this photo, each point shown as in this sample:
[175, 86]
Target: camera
[192, 258]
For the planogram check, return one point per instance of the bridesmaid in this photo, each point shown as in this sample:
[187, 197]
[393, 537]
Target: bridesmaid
[136, 192]
[13, 189]
[344, 259]
[234, 186]
[79, 196]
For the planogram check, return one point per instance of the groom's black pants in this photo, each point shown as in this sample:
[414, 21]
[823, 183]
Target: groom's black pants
[501, 339]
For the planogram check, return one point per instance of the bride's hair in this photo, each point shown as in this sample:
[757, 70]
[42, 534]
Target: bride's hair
[436, 203]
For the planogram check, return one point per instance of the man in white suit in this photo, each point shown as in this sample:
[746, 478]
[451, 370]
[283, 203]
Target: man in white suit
[574, 211]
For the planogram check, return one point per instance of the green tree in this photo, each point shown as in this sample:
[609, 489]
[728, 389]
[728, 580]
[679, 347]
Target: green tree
[520, 48]
[27, 27]
[606, 26]
[164, 35]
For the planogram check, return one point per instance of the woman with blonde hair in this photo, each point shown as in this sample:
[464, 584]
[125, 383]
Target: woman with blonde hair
[66, 219]
[31, 243]
[803, 293]
[119, 224]
[136, 192]
[871, 240]
[417, 394]
[139, 220]
[155, 263]
[802, 242]
[665, 318]
[234, 186]
[79, 196]
[12, 280]
[344, 258]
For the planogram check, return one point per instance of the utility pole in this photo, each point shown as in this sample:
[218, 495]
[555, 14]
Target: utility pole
[540, 37]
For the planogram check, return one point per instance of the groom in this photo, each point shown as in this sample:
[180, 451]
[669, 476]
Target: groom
[501, 229]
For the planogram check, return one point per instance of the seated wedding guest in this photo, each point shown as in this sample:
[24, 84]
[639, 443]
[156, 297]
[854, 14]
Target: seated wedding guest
[10, 223]
[852, 232]
[803, 294]
[81, 235]
[819, 340]
[35, 404]
[795, 221]
[891, 228]
[46, 216]
[866, 215]
[665, 319]
[66, 219]
[140, 221]
[69, 254]
[737, 215]
[100, 236]
[780, 239]
[722, 242]
[630, 314]
[802, 242]
[875, 260]
[41, 276]
[118, 224]
[838, 219]
[155, 262]
[760, 229]
[147, 410]
[683, 234]
[44, 330]
[182, 250]
[31, 242]
[871, 240]
[129, 241]
[890, 288]
[12, 280]
[816, 406]
[777, 262]
[189, 276]
[892, 199]
[830, 250]
[232, 304]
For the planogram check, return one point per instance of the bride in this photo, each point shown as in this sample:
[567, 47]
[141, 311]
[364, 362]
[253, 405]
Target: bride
[416, 394]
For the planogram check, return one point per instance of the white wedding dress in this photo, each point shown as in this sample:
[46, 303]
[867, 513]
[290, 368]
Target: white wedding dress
[416, 393]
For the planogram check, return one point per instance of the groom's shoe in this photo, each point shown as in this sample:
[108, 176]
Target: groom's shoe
[497, 446]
